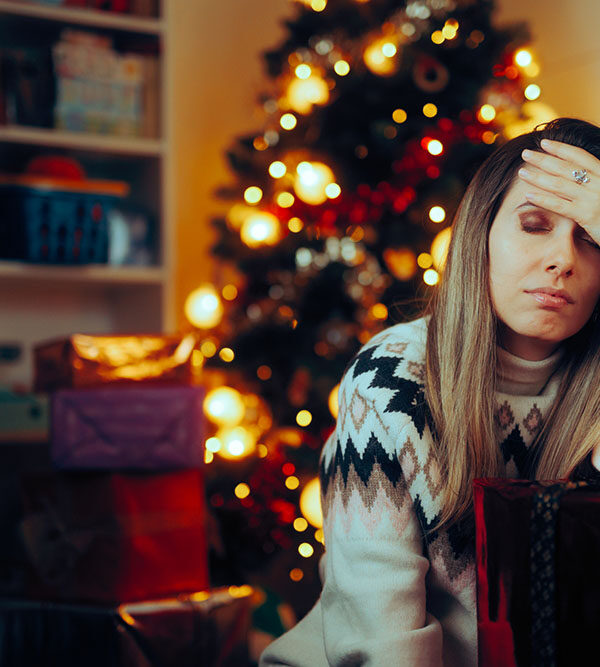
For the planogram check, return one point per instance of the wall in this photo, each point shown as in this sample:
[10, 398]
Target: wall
[216, 74]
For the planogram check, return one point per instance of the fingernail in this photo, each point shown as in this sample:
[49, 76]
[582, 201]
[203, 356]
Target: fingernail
[546, 143]
[527, 153]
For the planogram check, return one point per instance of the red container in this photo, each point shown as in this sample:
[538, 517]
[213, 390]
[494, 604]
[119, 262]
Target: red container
[505, 534]
[114, 538]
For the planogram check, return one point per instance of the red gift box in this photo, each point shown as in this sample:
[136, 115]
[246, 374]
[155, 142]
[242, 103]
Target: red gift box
[128, 427]
[114, 537]
[538, 580]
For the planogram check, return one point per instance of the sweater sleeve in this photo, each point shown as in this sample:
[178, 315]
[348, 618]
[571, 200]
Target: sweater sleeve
[373, 605]
[374, 593]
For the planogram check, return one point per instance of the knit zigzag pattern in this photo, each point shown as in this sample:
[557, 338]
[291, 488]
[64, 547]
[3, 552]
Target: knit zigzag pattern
[378, 470]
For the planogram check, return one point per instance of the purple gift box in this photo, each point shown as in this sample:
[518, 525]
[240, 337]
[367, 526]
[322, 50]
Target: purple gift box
[128, 427]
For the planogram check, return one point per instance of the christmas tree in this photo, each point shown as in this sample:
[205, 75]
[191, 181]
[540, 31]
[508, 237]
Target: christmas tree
[376, 115]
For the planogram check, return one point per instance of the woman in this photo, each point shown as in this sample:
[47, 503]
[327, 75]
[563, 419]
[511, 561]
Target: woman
[499, 379]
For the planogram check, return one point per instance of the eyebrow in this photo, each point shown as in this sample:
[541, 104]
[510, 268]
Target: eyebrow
[527, 203]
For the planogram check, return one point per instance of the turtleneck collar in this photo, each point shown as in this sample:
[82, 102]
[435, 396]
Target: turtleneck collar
[522, 377]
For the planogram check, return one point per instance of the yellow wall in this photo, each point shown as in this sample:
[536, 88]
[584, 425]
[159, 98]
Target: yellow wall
[216, 73]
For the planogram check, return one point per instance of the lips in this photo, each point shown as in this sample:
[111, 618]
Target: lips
[550, 296]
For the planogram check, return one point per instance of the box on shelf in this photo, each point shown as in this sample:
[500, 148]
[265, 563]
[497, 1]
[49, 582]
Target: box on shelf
[153, 428]
[83, 361]
[27, 86]
[114, 537]
[537, 549]
[24, 417]
[101, 90]
[53, 214]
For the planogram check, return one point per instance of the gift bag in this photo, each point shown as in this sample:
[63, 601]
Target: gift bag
[538, 574]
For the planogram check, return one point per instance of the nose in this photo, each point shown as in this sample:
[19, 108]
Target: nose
[561, 256]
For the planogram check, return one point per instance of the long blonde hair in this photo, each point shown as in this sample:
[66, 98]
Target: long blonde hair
[462, 338]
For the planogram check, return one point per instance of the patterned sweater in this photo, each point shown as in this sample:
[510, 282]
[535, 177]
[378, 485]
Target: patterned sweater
[395, 593]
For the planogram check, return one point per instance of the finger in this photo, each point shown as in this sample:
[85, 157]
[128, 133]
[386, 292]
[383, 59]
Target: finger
[551, 202]
[550, 163]
[576, 155]
[554, 184]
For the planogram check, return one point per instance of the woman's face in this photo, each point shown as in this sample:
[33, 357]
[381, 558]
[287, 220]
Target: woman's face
[534, 253]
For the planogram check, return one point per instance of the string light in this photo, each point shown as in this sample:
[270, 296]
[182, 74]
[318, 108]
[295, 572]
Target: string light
[285, 199]
[341, 67]
[424, 260]
[437, 214]
[227, 354]
[253, 194]
[486, 113]
[439, 248]
[523, 57]
[224, 406]
[333, 191]
[303, 418]
[429, 110]
[532, 92]
[235, 442]
[295, 225]
[310, 503]
[431, 277]
[303, 71]
[277, 169]
[292, 482]
[399, 116]
[288, 121]
[332, 402]
[300, 524]
[434, 146]
[312, 179]
[302, 94]
[260, 228]
[296, 574]
[203, 307]
[379, 57]
[306, 550]
[242, 490]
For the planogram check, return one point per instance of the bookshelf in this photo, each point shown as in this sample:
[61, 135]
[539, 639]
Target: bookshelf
[39, 302]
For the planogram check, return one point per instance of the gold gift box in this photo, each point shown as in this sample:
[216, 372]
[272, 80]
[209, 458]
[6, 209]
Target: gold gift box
[89, 361]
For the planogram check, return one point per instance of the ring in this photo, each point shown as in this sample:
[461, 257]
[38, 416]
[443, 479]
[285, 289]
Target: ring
[580, 176]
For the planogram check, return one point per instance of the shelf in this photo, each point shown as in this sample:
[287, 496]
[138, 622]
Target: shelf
[88, 17]
[97, 274]
[101, 143]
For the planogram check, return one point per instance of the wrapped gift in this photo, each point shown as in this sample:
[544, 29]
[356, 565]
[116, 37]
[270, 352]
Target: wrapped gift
[138, 427]
[108, 537]
[209, 628]
[89, 361]
[538, 580]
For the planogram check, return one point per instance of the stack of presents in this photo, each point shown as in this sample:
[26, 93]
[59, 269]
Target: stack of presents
[113, 532]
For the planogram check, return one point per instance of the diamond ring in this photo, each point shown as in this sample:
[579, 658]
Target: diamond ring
[580, 176]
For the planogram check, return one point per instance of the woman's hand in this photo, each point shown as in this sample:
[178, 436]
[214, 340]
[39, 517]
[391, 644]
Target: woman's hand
[555, 187]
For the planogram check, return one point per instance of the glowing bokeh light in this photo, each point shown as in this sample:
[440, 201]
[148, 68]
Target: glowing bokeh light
[203, 307]
[310, 503]
[224, 406]
[260, 228]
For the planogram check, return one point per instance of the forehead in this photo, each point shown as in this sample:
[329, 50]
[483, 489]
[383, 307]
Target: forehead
[515, 195]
